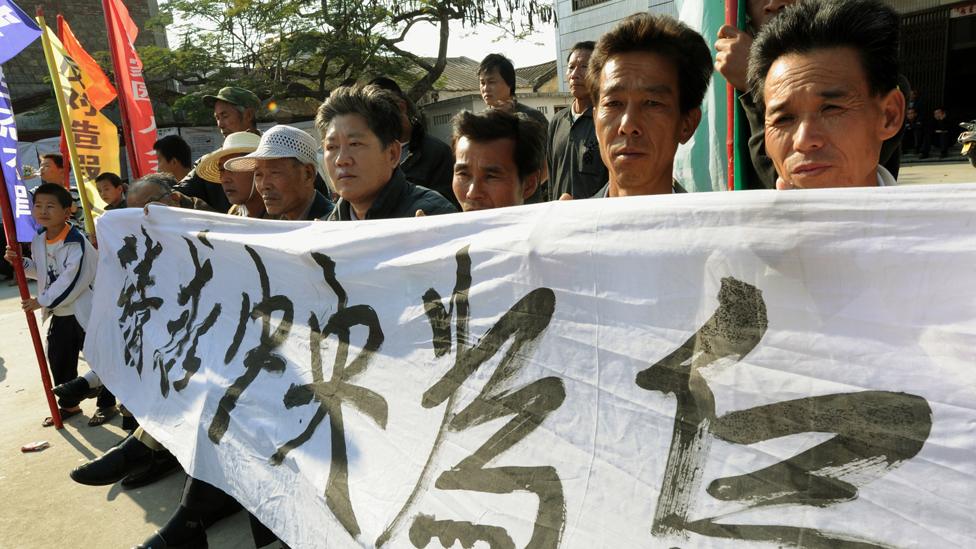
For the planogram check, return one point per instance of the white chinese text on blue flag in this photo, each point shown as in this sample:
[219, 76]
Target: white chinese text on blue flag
[17, 31]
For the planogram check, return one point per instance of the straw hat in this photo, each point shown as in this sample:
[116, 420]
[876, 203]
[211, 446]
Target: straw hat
[239, 142]
[278, 142]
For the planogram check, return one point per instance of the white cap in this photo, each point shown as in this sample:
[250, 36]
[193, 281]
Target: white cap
[278, 142]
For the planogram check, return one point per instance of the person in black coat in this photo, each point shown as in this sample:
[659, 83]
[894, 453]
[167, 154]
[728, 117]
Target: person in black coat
[360, 127]
[424, 160]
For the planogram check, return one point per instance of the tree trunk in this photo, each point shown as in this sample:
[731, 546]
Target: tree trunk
[425, 84]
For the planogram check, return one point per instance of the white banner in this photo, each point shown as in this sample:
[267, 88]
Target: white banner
[714, 370]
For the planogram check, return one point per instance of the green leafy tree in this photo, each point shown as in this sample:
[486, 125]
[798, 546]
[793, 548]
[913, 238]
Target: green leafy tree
[296, 48]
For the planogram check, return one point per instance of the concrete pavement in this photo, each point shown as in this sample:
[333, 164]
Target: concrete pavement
[41, 506]
[955, 171]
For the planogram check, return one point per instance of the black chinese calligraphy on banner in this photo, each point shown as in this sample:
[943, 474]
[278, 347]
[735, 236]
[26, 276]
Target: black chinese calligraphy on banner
[753, 370]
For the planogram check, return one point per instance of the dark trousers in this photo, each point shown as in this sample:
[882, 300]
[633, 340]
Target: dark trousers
[207, 499]
[65, 339]
[105, 398]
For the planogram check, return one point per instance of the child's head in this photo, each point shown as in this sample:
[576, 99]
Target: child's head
[110, 188]
[52, 206]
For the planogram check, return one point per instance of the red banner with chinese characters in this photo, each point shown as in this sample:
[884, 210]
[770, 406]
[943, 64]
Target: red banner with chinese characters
[137, 113]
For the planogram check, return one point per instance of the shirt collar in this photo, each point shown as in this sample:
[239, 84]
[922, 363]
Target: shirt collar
[675, 189]
[885, 179]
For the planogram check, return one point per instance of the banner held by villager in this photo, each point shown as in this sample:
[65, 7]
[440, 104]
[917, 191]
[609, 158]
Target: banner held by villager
[138, 120]
[91, 138]
[760, 369]
[95, 137]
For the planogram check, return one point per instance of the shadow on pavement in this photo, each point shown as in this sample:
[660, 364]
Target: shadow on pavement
[3, 369]
[101, 439]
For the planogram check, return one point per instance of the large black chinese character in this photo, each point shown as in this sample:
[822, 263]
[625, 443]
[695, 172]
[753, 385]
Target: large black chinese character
[521, 325]
[330, 395]
[136, 306]
[184, 330]
[260, 358]
[875, 431]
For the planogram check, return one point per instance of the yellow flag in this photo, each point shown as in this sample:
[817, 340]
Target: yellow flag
[94, 136]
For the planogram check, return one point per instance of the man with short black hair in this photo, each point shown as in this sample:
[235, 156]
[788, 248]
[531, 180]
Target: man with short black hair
[731, 61]
[285, 167]
[52, 168]
[825, 74]
[359, 127]
[425, 160]
[647, 78]
[174, 156]
[498, 159]
[573, 157]
[496, 77]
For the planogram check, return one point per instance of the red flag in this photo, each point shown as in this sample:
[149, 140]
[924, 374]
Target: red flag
[101, 92]
[137, 114]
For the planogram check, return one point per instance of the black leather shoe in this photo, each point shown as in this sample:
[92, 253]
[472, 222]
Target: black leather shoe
[130, 456]
[184, 530]
[156, 541]
[76, 389]
[162, 464]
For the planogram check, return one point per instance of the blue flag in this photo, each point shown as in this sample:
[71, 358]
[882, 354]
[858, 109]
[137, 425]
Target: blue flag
[17, 31]
[20, 203]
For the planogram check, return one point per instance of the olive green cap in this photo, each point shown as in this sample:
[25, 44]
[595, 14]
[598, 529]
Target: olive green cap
[234, 95]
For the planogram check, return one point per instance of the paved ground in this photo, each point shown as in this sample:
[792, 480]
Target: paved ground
[937, 172]
[43, 508]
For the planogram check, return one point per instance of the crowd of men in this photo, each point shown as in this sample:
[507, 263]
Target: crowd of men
[825, 103]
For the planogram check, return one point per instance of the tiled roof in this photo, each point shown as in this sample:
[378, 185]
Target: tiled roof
[537, 74]
[461, 74]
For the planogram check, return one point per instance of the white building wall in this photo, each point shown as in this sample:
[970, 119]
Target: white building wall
[589, 23]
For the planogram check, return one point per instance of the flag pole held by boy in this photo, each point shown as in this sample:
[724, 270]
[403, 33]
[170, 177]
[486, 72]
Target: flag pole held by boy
[18, 224]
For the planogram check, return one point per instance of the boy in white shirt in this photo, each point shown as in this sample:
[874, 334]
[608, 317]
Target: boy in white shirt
[64, 265]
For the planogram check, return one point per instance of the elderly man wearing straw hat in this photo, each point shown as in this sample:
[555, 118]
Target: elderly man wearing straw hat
[285, 168]
[238, 186]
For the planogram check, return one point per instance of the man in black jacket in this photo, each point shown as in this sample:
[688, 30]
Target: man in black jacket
[360, 126]
[573, 157]
[425, 160]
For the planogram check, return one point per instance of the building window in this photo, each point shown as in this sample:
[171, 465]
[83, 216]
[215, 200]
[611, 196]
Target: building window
[558, 108]
[582, 4]
[442, 119]
[544, 109]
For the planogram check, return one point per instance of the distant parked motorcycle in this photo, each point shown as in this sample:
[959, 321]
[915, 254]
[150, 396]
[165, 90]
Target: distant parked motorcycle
[968, 140]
